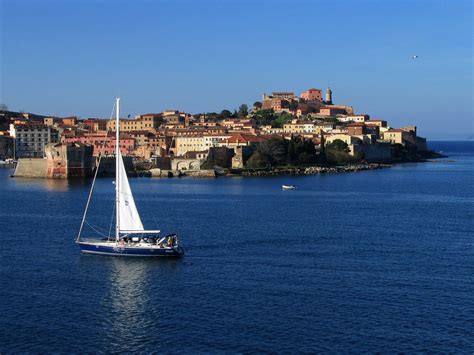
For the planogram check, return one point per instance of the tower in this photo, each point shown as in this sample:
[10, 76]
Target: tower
[328, 95]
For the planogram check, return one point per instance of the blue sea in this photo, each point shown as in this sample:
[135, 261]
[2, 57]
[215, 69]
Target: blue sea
[372, 261]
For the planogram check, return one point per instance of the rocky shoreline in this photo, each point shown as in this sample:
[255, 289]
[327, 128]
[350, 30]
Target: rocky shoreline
[312, 170]
[279, 171]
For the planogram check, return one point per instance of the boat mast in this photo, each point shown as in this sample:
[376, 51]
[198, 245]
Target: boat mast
[117, 182]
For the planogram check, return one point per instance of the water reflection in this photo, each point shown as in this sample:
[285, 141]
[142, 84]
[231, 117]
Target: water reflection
[132, 303]
[60, 185]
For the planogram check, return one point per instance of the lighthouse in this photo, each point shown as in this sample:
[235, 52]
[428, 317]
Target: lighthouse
[328, 96]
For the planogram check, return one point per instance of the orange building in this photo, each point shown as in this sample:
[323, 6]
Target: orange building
[312, 95]
[70, 121]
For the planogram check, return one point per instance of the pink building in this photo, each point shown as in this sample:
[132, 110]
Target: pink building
[331, 111]
[104, 142]
[311, 95]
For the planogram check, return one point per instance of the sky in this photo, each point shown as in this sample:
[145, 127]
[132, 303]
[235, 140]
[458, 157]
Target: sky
[72, 57]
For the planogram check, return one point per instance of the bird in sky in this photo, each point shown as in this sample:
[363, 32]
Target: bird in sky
[415, 57]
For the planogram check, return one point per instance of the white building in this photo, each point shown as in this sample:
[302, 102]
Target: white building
[30, 140]
[353, 118]
[203, 142]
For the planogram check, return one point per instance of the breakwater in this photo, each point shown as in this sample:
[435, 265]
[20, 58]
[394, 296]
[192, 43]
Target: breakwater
[312, 170]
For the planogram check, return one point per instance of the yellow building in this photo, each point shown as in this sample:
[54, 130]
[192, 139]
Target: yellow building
[143, 123]
[397, 136]
[298, 127]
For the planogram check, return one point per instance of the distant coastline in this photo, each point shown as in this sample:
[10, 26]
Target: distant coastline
[284, 133]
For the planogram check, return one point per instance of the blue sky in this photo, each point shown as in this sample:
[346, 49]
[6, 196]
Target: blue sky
[68, 57]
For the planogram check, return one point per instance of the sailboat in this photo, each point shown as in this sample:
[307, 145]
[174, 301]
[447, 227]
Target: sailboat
[131, 239]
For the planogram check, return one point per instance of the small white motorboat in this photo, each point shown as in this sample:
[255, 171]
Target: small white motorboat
[288, 187]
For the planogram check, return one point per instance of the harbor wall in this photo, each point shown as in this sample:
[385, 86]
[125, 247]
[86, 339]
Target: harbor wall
[31, 167]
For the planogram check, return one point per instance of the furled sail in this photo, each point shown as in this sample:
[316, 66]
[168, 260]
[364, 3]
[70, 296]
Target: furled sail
[129, 219]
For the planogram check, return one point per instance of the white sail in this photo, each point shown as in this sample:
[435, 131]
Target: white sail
[129, 219]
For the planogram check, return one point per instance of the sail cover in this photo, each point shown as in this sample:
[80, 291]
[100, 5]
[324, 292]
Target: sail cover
[129, 219]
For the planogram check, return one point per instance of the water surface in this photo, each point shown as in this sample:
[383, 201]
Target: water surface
[377, 260]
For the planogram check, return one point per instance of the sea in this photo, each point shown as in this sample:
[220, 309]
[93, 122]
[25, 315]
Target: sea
[370, 261]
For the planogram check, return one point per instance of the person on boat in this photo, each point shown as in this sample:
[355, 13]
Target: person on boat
[172, 240]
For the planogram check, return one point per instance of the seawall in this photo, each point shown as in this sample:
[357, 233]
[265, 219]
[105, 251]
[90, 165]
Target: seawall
[31, 167]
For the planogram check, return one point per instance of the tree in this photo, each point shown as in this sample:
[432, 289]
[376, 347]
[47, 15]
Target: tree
[281, 119]
[275, 149]
[264, 117]
[258, 160]
[338, 144]
[3, 107]
[243, 110]
[337, 152]
[257, 105]
[225, 114]
[305, 158]
[211, 116]
[291, 153]
[278, 151]
[293, 105]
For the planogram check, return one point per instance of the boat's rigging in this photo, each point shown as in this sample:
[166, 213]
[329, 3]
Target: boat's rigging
[96, 229]
[104, 142]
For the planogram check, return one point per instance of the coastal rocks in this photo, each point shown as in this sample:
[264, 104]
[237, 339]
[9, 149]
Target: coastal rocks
[310, 170]
[343, 168]
[161, 173]
[204, 173]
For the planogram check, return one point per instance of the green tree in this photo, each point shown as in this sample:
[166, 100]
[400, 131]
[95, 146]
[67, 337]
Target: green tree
[257, 105]
[337, 152]
[339, 145]
[293, 105]
[258, 160]
[281, 119]
[264, 117]
[305, 158]
[276, 149]
[212, 116]
[225, 114]
[291, 152]
[243, 110]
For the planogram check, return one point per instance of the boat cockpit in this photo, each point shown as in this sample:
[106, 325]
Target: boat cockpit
[171, 240]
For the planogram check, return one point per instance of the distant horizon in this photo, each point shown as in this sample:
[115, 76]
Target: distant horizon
[384, 59]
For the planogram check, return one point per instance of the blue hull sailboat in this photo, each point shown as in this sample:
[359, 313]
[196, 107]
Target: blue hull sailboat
[131, 239]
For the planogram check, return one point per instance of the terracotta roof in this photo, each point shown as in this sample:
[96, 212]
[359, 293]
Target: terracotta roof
[244, 138]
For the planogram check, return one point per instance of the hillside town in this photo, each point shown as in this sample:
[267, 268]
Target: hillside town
[283, 129]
